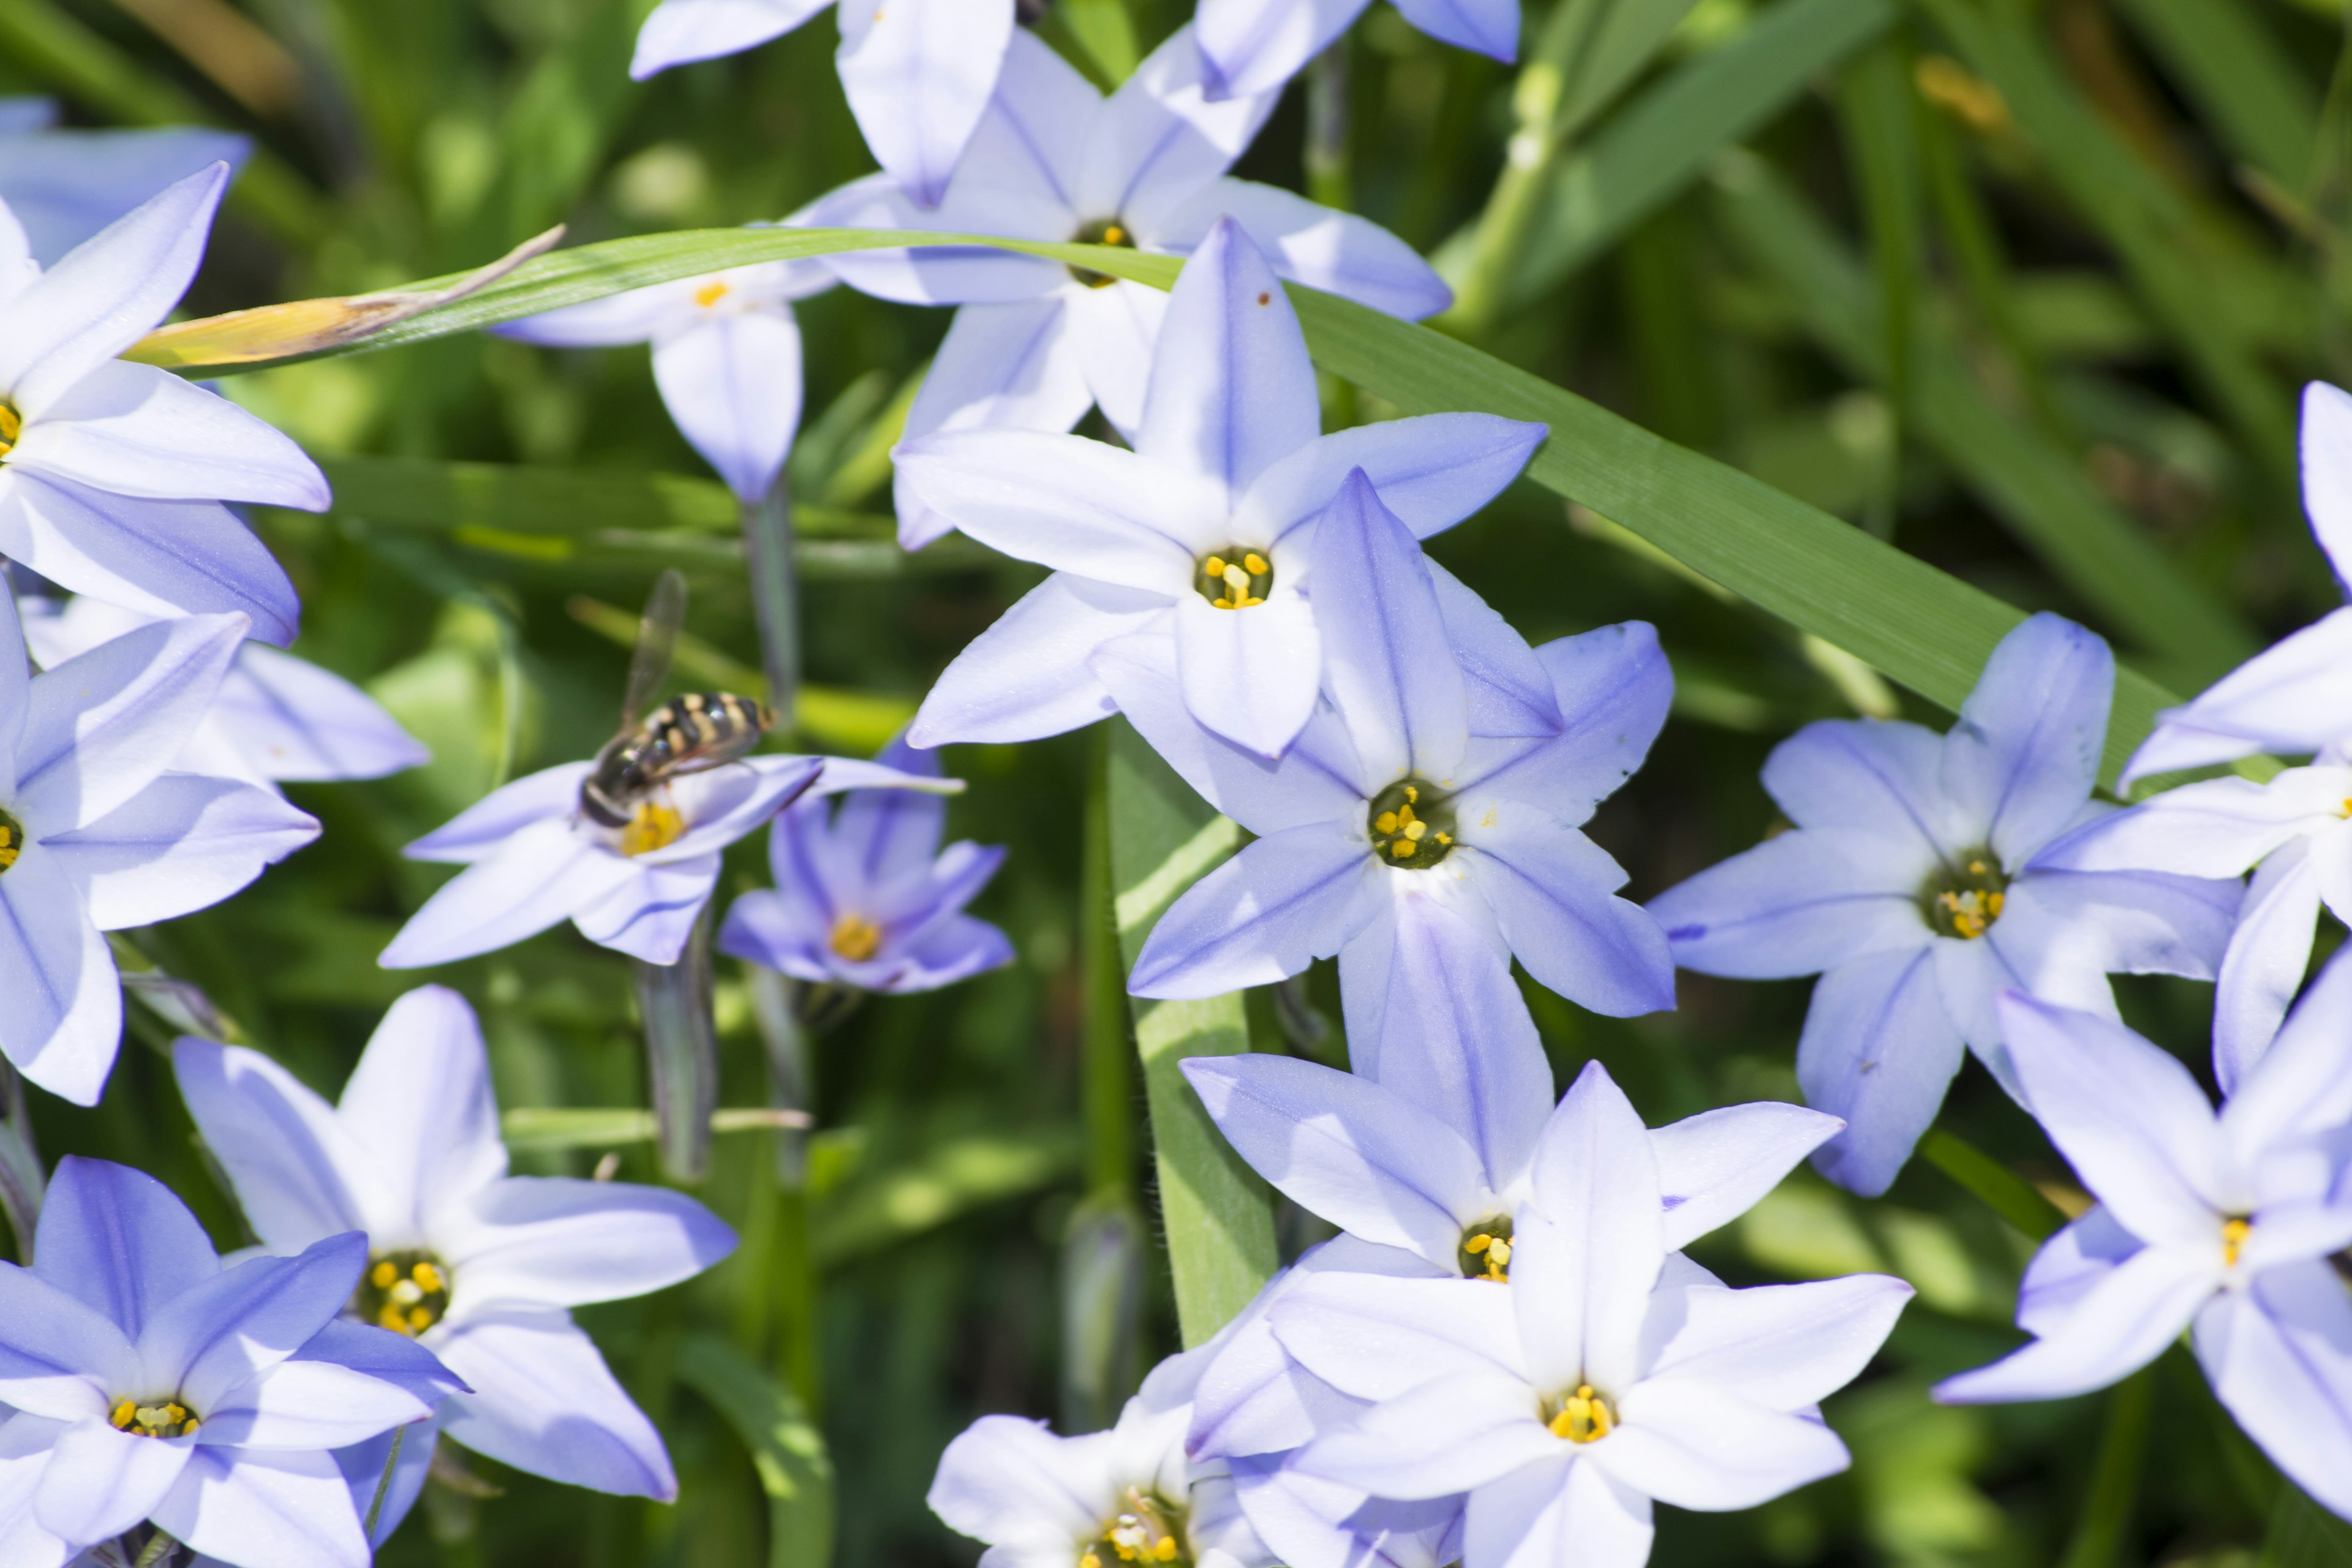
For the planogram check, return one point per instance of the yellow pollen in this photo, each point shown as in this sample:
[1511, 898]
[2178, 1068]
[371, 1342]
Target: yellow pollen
[1215, 567]
[1114, 234]
[1402, 848]
[710, 294]
[1478, 1244]
[383, 1275]
[1411, 795]
[123, 1412]
[12, 840]
[1090, 1560]
[1386, 822]
[2233, 1240]
[855, 938]
[1445, 838]
[12, 426]
[656, 826]
[1972, 912]
[1256, 564]
[1416, 831]
[1584, 1417]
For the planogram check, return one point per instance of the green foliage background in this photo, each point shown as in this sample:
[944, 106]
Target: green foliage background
[2021, 291]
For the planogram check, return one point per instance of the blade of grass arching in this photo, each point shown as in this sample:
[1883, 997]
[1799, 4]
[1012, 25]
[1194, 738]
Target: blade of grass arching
[786, 1448]
[2240, 75]
[1588, 52]
[1217, 1215]
[1878, 112]
[2301, 1534]
[2033, 485]
[56, 49]
[1662, 140]
[879, 1211]
[2184, 262]
[1917, 625]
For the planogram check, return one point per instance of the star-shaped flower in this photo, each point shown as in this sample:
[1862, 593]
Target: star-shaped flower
[865, 897]
[148, 1382]
[100, 832]
[478, 1267]
[533, 858]
[1256, 46]
[918, 72]
[1036, 342]
[1913, 886]
[1416, 780]
[726, 358]
[276, 717]
[113, 475]
[1607, 1371]
[1202, 536]
[2229, 1224]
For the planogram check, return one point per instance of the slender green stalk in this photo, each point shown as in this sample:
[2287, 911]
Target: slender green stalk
[682, 1054]
[161, 1548]
[2105, 1519]
[21, 1179]
[383, 1482]
[1330, 178]
[1107, 1072]
[791, 1285]
[776, 597]
[1994, 1185]
[1878, 108]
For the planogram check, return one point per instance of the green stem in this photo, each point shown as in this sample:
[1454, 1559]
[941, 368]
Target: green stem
[161, 1546]
[682, 1054]
[383, 1482]
[776, 597]
[2115, 1475]
[1327, 177]
[792, 1282]
[21, 1179]
[1107, 1074]
[1994, 1185]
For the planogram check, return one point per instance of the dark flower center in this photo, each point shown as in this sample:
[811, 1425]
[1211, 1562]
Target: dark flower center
[408, 1292]
[1964, 899]
[12, 426]
[12, 840]
[1101, 231]
[1148, 1530]
[1485, 1250]
[1583, 1416]
[1412, 824]
[164, 1418]
[1233, 578]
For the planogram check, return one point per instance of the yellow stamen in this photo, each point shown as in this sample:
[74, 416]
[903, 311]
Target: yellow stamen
[1090, 1560]
[855, 938]
[1256, 564]
[383, 1275]
[123, 1414]
[1166, 1550]
[1477, 1244]
[1386, 822]
[1215, 567]
[1114, 235]
[2233, 1240]
[710, 294]
[1584, 1417]
[429, 1278]
[1402, 848]
[1411, 795]
[1416, 831]
[656, 826]
[1972, 912]
[12, 428]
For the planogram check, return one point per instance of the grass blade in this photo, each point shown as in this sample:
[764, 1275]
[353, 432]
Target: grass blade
[2241, 76]
[786, 1448]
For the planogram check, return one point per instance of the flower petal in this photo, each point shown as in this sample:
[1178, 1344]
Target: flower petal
[1798, 903]
[184, 843]
[651, 915]
[1432, 470]
[1582, 1268]
[541, 875]
[63, 1022]
[137, 430]
[1878, 1048]
[1867, 775]
[1554, 894]
[2264, 967]
[297, 721]
[2084, 1252]
[548, 1241]
[1447, 1436]
[918, 74]
[1402, 697]
[162, 557]
[1779, 1347]
[419, 1117]
[1309, 1522]
[1007, 1480]
[1558, 1514]
[265, 1510]
[1161, 138]
[1257, 45]
[284, 1151]
[1232, 389]
[2025, 754]
[2280, 1357]
[733, 383]
[1116, 334]
[1009, 364]
[1066, 502]
[2120, 1324]
[1249, 675]
[59, 1358]
[107, 294]
[1284, 902]
[2292, 697]
[232, 1326]
[2220, 827]
[2325, 442]
[480, 830]
[1715, 1166]
[1697, 1446]
[1489, 27]
[67, 186]
[100, 1482]
[310, 1404]
[1356, 1153]
[1376, 1337]
[680, 31]
[118, 1241]
[1026, 677]
[100, 728]
[544, 1401]
[1337, 252]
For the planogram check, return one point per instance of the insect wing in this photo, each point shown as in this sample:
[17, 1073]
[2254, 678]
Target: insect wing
[657, 637]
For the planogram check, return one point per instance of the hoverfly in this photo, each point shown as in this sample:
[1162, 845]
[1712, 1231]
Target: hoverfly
[688, 734]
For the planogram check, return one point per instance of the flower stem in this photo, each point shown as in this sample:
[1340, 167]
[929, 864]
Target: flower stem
[159, 1548]
[2115, 1475]
[682, 1054]
[21, 1181]
[1994, 1185]
[383, 1482]
[792, 1269]
[776, 597]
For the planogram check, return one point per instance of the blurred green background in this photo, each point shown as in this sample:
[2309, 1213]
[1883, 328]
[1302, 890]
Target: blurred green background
[2027, 289]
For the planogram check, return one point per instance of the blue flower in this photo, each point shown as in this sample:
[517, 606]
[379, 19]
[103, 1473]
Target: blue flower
[1451, 764]
[1036, 342]
[1202, 537]
[2230, 1225]
[1256, 46]
[478, 1267]
[113, 475]
[100, 830]
[149, 1382]
[918, 72]
[865, 897]
[1913, 885]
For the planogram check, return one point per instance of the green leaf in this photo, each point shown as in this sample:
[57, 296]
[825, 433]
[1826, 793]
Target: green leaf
[1660, 142]
[541, 1128]
[1994, 1185]
[2241, 76]
[2033, 485]
[786, 1448]
[2301, 1534]
[948, 1180]
[1217, 1213]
